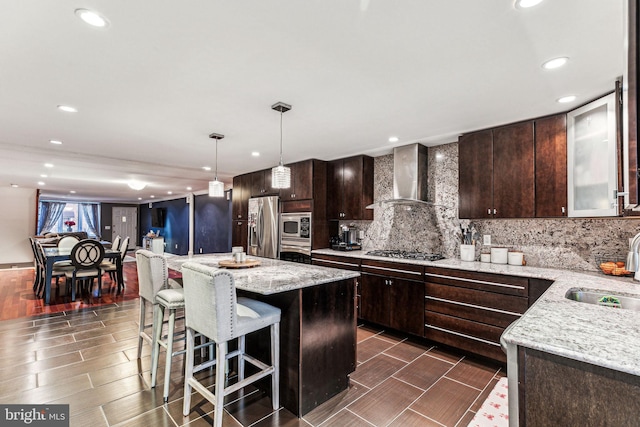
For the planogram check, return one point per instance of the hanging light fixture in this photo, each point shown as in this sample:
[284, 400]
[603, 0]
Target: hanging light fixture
[216, 188]
[281, 174]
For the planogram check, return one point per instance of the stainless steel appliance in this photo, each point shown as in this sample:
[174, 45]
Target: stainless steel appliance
[295, 233]
[263, 226]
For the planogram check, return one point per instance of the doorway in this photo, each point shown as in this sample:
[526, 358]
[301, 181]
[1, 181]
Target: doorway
[124, 222]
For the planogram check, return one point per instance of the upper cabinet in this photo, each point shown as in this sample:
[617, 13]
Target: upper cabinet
[301, 182]
[592, 159]
[240, 196]
[350, 188]
[261, 184]
[496, 171]
[551, 166]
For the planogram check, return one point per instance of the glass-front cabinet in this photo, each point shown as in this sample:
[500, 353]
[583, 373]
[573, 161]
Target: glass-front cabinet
[592, 159]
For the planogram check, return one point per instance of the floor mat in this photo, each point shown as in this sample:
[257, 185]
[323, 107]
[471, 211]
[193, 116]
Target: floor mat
[494, 412]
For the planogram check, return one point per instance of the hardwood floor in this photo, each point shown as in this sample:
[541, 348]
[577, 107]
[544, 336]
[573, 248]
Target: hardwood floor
[84, 354]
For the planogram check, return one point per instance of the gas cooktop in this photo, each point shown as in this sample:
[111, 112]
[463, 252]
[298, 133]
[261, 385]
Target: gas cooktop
[406, 255]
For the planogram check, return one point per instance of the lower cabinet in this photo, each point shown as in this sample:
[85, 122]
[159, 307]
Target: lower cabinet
[470, 310]
[392, 294]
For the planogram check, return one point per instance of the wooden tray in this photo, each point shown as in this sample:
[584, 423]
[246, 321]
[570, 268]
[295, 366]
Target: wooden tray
[229, 263]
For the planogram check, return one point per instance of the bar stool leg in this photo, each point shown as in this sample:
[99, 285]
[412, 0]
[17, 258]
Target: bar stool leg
[221, 354]
[141, 319]
[188, 372]
[275, 362]
[155, 343]
[167, 370]
[241, 346]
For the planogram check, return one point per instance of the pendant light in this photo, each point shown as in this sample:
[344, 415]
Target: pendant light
[281, 174]
[216, 188]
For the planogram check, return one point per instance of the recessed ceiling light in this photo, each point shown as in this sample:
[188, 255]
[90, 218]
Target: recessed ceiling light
[566, 99]
[393, 139]
[555, 63]
[41, 183]
[524, 4]
[72, 191]
[255, 154]
[169, 192]
[43, 175]
[48, 165]
[14, 185]
[152, 196]
[55, 141]
[189, 188]
[67, 109]
[207, 168]
[92, 18]
[139, 198]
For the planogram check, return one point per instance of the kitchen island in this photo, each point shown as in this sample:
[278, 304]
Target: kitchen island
[570, 359]
[317, 327]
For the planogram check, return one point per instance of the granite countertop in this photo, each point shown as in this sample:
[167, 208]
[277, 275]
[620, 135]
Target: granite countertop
[603, 336]
[271, 276]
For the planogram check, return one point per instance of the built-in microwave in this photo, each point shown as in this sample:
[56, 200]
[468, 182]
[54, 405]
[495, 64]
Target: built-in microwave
[295, 232]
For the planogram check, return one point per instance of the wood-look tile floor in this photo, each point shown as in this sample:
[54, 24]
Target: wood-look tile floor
[87, 358]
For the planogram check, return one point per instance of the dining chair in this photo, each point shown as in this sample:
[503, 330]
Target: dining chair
[86, 257]
[115, 244]
[213, 310]
[111, 266]
[57, 271]
[68, 242]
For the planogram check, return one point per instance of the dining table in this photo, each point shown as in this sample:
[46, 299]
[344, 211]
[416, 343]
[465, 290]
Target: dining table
[55, 254]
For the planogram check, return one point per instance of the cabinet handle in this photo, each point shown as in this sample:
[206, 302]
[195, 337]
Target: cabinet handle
[461, 335]
[495, 211]
[563, 209]
[489, 211]
[483, 282]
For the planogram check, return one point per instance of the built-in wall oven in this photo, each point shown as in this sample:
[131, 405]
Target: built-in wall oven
[295, 236]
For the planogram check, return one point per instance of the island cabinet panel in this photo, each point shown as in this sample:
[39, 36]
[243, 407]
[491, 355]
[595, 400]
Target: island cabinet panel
[343, 263]
[240, 196]
[470, 310]
[392, 294]
[350, 188]
[551, 166]
[317, 343]
[557, 391]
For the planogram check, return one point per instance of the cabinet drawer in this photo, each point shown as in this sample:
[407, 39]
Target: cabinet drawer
[343, 263]
[509, 285]
[463, 341]
[395, 269]
[480, 306]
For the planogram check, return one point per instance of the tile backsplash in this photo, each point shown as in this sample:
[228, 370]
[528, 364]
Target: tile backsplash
[571, 243]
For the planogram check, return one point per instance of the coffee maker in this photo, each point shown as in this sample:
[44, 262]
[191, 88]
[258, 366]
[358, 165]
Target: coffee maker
[347, 240]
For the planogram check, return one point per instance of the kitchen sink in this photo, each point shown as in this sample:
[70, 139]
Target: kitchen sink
[604, 298]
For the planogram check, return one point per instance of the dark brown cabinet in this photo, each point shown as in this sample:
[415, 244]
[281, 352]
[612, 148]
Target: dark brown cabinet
[350, 188]
[392, 294]
[470, 310]
[301, 182]
[497, 173]
[240, 196]
[240, 234]
[261, 184]
[551, 166]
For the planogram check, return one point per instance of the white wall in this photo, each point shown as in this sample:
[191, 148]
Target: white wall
[17, 223]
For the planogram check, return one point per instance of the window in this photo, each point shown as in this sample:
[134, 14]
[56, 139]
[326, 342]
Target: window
[72, 218]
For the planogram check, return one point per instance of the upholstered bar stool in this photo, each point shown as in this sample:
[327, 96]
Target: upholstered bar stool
[163, 293]
[213, 310]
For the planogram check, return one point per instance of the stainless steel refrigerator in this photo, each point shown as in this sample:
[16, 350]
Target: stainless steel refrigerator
[263, 226]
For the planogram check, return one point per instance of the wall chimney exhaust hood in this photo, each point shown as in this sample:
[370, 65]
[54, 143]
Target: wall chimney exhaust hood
[409, 177]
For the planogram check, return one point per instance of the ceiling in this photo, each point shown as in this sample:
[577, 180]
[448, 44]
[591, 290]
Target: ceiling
[151, 86]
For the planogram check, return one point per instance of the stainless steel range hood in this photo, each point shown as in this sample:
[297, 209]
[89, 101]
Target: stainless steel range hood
[409, 176]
